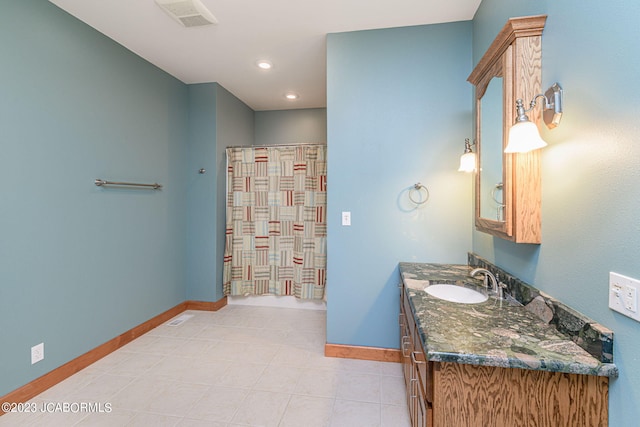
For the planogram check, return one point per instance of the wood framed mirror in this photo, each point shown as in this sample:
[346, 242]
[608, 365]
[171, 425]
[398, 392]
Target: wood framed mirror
[507, 190]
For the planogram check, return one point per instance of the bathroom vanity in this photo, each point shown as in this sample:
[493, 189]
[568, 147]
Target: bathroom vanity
[529, 362]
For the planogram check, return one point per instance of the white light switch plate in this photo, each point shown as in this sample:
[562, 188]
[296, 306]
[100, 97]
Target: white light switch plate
[623, 295]
[346, 218]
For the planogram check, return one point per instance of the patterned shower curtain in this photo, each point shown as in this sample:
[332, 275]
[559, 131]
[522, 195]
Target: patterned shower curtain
[276, 237]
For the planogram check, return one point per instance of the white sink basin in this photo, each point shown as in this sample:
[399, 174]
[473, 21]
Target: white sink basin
[455, 293]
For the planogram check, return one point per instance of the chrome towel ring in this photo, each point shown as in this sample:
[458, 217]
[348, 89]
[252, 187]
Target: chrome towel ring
[416, 191]
[494, 190]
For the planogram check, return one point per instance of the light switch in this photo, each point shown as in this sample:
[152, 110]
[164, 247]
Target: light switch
[346, 218]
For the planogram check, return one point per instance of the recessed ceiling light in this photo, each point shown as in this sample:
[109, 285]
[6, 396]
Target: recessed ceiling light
[291, 96]
[265, 65]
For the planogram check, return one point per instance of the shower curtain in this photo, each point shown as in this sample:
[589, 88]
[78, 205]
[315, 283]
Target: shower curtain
[276, 221]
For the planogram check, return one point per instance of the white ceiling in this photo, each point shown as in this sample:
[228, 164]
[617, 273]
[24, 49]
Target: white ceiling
[289, 33]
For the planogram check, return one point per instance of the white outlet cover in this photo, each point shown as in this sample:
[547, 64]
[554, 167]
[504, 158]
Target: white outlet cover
[37, 353]
[623, 295]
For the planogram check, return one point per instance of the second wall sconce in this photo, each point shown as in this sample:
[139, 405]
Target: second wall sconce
[468, 159]
[524, 135]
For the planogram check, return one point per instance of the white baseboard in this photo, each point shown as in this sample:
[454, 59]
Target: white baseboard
[276, 301]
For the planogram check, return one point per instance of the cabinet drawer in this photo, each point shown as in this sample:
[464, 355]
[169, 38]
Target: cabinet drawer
[408, 315]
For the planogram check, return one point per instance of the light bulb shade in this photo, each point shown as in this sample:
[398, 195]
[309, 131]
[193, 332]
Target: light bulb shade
[467, 162]
[524, 137]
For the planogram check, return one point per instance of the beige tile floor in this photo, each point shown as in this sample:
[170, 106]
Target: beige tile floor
[240, 366]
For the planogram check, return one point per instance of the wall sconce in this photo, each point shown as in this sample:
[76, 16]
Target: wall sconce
[468, 159]
[524, 135]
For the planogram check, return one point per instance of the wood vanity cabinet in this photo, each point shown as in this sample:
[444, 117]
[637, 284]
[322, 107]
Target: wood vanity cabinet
[460, 395]
[470, 396]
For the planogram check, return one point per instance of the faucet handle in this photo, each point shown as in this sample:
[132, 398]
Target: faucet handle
[501, 287]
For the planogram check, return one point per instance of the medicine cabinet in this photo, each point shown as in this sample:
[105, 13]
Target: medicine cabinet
[508, 190]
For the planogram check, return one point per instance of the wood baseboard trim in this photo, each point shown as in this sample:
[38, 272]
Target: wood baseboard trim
[363, 353]
[48, 380]
[206, 305]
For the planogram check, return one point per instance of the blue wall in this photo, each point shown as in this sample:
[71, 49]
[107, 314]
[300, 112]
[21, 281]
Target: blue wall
[217, 119]
[202, 200]
[590, 170]
[290, 126]
[81, 264]
[398, 111]
[235, 127]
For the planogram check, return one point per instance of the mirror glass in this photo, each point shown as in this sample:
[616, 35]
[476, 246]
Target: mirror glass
[491, 195]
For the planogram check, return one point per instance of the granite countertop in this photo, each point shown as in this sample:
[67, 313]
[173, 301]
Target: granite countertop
[492, 333]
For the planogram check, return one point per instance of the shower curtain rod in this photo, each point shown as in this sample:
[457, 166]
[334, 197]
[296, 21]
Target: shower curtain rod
[277, 145]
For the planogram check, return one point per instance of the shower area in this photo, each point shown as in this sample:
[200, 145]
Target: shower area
[276, 233]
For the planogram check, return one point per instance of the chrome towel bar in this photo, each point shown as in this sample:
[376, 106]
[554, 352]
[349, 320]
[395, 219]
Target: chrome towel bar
[101, 182]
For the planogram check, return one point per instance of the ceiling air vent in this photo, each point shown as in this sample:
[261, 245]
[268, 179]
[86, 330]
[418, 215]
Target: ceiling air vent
[189, 13]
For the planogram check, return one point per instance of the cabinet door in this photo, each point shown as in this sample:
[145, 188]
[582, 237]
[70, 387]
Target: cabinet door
[405, 347]
[415, 366]
[423, 367]
[421, 415]
[405, 344]
[421, 405]
[511, 67]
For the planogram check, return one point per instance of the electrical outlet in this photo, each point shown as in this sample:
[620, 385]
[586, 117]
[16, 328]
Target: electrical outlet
[631, 299]
[37, 353]
[623, 295]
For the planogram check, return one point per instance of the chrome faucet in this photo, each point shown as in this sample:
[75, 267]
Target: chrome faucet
[489, 277]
